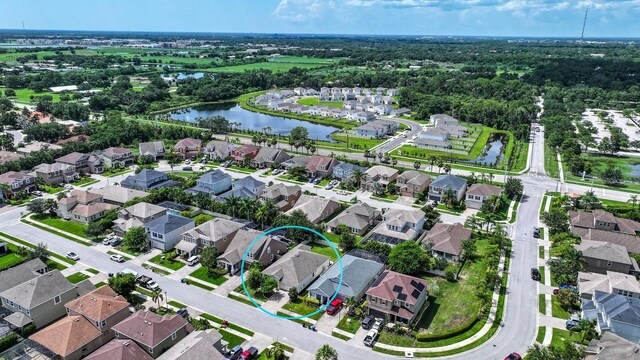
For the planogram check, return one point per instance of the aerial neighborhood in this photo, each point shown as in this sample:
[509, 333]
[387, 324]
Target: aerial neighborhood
[235, 196]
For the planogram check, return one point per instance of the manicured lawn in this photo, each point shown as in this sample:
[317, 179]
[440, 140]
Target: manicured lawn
[332, 237]
[170, 264]
[310, 101]
[77, 277]
[449, 210]
[325, 250]
[51, 189]
[542, 304]
[551, 162]
[202, 274]
[85, 181]
[254, 294]
[556, 310]
[541, 252]
[242, 169]
[301, 308]
[71, 227]
[29, 245]
[112, 173]
[144, 291]
[126, 250]
[26, 95]
[93, 271]
[10, 260]
[176, 304]
[541, 269]
[100, 284]
[351, 327]
[355, 142]
[542, 331]
[559, 336]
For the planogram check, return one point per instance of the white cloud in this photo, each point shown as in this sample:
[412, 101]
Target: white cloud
[302, 10]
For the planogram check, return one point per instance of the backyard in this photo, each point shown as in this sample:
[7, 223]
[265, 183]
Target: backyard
[324, 249]
[310, 101]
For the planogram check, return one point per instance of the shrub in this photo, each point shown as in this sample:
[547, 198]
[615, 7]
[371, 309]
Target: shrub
[8, 341]
[450, 273]
[28, 330]
[311, 301]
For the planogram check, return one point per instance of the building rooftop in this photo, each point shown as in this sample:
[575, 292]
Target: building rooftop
[148, 328]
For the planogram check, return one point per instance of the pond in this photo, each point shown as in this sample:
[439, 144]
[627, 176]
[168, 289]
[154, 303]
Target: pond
[182, 76]
[635, 171]
[250, 120]
[492, 152]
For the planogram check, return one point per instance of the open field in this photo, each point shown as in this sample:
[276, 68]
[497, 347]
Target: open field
[273, 66]
[310, 101]
[26, 95]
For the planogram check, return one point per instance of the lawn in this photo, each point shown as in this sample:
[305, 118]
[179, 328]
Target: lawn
[325, 250]
[542, 331]
[115, 172]
[30, 96]
[203, 274]
[551, 162]
[501, 212]
[71, 227]
[126, 250]
[51, 189]
[352, 142]
[301, 308]
[77, 277]
[542, 304]
[541, 269]
[235, 327]
[311, 101]
[169, 264]
[541, 252]
[558, 311]
[85, 181]
[559, 336]
[10, 260]
[450, 210]
[350, 327]
[29, 245]
[332, 237]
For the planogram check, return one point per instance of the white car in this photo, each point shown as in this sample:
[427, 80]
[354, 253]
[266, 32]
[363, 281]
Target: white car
[73, 256]
[68, 187]
[116, 258]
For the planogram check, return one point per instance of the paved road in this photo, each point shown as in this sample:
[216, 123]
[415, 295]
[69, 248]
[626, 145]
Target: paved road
[396, 141]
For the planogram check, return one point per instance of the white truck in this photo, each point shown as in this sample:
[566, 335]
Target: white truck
[371, 337]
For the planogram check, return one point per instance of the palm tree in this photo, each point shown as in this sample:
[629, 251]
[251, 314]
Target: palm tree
[449, 197]
[157, 297]
[351, 304]
[432, 160]
[326, 352]
[261, 215]
[586, 328]
[491, 176]
[633, 200]
[473, 223]
[357, 177]
[248, 206]
[447, 168]
[440, 164]
[232, 203]
[416, 165]
[275, 352]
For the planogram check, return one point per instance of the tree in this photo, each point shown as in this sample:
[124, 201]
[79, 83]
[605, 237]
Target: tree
[37, 206]
[587, 330]
[449, 198]
[341, 229]
[347, 241]
[157, 297]
[268, 285]
[416, 165]
[40, 252]
[136, 239]
[567, 351]
[276, 352]
[293, 294]
[326, 352]
[513, 187]
[565, 269]
[469, 248]
[408, 258]
[568, 299]
[431, 217]
[209, 257]
[612, 176]
[557, 221]
[588, 199]
[123, 284]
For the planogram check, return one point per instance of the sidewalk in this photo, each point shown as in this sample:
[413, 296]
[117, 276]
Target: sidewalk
[84, 240]
[544, 288]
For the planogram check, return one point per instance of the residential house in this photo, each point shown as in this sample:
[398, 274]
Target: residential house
[136, 216]
[393, 92]
[358, 218]
[267, 157]
[375, 129]
[217, 232]
[39, 300]
[198, 345]
[296, 161]
[265, 251]
[412, 183]
[212, 183]
[188, 148]
[83, 163]
[478, 193]
[244, 152]
[320, 166]
[9, 156]
[284, 196]
[19, 274]
[358, 275]
[118, 195]
[612, 347]
[83, 206]
[447, 182]
[297, 268]
[445, 240]
[218, 150]
[601, 257]
[344, 170]
[400, 111]
[397, 297]
[432, 144]
[247, 187]
[316, 208]
[119, 350]
[378, 176]
[239, 192]
[36, 146]
[103, 307]
[148, 179]
[443, 119]
[17, 182]
[166, 231]
[154, 149]
[630, 242]
[117, 156]
[56, 173]
[154, 333]
[614, 313]
[611, 282]
[602, 220]
[364, 116]
[398, 226]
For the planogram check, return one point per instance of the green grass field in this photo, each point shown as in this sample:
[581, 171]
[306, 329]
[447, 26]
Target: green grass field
[173, 265]
[301, 308]
[77, 277]
[72, 227]
[559, 337]
[556, 310]
[325, 250]
[202, 274]
[277, 67]
[29, 96]
[10, 260]
[310, 101]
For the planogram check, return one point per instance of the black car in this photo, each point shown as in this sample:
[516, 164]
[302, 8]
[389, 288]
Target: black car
[536, 232]
[234, 353]
[183, 312]
[535, 274]
[367, 322]
[570, 324]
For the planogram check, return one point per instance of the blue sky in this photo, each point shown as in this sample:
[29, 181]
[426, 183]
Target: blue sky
[607, 18]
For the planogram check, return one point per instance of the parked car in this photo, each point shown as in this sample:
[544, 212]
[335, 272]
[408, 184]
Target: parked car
[187, 162]
[317, 180]
[37, 193]
[570, 324]
[68, 187]
[367, 322]
[116, 258]
[537, 129]
[535, 274]
[187, 168]
[106, 241]
[147, 283]
[193, 260]
[276, 172]
[329, 186]
[513, 356]
[183, 312]
[556, 291]
[249, 354]
[370, 338]
[569, 287]
[536, 232]
[335, 306]
[116, 241]
[234, 353]
[341, 192]
[73, 256]
[377, 325]
[311, 180]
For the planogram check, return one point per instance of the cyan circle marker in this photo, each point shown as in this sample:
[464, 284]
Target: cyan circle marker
[244, 285]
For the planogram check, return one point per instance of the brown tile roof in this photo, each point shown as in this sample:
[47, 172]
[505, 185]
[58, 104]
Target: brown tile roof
[92, 209]
[71, 158]
[148, 328]
[393, 286]
[67, 335]
[98, 305]
[119, 350]
[587, 220]
[484, 190]
[316, 162]
[447, 238]
[11, 176]
[116, 151]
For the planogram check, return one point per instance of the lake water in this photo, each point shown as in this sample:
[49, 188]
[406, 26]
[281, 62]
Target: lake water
[635, 171]
[492, 153]
[250, 120]
[182, 76]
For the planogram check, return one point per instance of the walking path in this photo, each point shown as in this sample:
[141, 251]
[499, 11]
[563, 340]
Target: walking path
[84, 240]
[547, 276]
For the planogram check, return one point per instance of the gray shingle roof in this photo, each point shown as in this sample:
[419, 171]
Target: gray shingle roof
[38, 290]
[357, 273]
[21, 273]
[604, 251]
[214, 176]
[619, 307]
[167, 223]
[296, 265]
[449, 182]
[248, 182]
[239, 192]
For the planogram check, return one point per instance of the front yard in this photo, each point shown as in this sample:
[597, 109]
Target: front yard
[170, 264]
[85, 181]
[77, 277]
[71, 227]
[203, 274]
[301, 308]
[349, 324]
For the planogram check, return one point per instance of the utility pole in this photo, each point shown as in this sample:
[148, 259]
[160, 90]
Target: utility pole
[584, 24]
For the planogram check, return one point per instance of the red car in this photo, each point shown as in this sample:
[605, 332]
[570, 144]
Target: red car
[335, 306]
[513, 356]
[556, 291]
